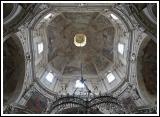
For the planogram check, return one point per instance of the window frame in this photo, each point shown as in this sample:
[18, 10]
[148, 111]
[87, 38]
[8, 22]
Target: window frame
[114, 16]
[119, 51]
[48, 79]
[38, 48]
[112, 77]
[48, 16]
[79, 85]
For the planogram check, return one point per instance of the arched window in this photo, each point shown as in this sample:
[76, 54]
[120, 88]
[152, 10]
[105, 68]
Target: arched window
[120, 48]
[40, 47]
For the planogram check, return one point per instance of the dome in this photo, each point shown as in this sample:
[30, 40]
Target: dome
[91, 58]
[96, 55]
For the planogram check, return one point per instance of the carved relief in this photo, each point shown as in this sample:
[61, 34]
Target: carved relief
[133, 57]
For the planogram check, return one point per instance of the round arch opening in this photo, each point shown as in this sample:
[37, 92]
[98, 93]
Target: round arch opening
[147, 70]
[13, 69]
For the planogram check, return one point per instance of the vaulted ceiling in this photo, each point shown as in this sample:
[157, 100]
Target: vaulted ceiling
[38, 75]
[96, 55]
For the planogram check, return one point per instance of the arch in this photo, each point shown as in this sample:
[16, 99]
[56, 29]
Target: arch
[13, 62]
[11, 11]
[147, 70]
[8, 8]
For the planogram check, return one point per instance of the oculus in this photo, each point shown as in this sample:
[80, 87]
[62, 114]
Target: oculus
[80, 40]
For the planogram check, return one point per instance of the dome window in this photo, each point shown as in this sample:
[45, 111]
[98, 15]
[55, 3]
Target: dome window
[48, 16]
[79, 84]
[110, 77]
[114, 17]
[49, 77]
[121, 48]
[40, 48]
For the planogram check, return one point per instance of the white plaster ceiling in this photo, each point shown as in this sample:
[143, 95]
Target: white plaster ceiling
[96, 56]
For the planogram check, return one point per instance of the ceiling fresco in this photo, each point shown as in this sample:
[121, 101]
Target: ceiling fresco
[98, 51]
[37, 102]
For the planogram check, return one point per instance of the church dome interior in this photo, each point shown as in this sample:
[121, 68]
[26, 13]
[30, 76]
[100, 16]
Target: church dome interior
[80, 58]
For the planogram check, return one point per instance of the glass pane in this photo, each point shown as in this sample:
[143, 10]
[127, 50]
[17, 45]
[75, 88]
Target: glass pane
[49, 77]
[79, 84]
[120, 48]
[110, 77]
[47, 16]
[40, 47]
[114, 17]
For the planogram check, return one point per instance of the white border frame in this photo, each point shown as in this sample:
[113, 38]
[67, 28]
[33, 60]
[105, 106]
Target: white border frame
[80, 2]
